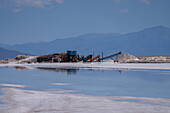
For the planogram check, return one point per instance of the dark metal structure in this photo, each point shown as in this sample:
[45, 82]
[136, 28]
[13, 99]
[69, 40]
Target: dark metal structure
[71, 55]
[111, 56]
[87, 58]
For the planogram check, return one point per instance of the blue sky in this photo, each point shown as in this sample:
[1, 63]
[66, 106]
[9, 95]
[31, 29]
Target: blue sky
[23, 21]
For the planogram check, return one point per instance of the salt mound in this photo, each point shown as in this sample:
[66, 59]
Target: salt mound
[126, 57]
[20, 59]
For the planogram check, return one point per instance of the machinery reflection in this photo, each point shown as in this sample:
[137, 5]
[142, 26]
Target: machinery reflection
[68, 71]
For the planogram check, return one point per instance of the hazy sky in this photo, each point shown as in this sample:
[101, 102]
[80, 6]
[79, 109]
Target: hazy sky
[24, 21]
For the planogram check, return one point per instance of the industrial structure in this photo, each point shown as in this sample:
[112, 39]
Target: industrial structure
[72, 56]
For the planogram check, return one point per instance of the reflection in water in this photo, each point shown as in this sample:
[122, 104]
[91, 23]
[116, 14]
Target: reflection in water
[68, 71]
[19, 67]
[91, 81]
[72, 71]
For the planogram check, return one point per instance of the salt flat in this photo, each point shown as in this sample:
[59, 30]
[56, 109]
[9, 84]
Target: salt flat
[93, 65]
[27, 101]
[18, 99]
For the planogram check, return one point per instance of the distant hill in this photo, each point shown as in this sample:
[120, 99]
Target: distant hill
[4, 54]
[150, 41]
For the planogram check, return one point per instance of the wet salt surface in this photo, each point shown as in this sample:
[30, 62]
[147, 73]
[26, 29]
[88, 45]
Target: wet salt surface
[1, 102]
[137, 83]
[138, 101]
[27, 101]
[93, 82]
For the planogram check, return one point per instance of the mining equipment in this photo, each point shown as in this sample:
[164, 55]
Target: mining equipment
[92, 59]
[110, 57]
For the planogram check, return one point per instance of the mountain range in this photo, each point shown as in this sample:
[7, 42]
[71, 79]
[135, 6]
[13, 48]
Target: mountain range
[148, 42]
[9, 53]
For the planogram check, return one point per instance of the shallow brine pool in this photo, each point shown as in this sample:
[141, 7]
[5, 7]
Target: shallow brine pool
[119, 85]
